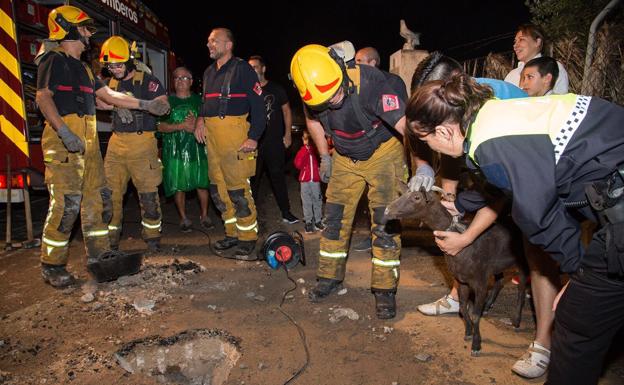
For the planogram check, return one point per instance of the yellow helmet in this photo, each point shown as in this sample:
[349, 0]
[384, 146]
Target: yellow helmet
[316, 74]
[115, 50]
[61, 19]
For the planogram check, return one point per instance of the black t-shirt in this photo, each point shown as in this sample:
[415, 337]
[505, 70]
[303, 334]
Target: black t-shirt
[150, 89]
[67, 78]
[274, 98]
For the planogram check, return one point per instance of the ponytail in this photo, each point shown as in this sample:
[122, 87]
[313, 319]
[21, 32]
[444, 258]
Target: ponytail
[456, 100]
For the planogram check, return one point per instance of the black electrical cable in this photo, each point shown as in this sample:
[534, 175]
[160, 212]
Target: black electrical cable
[302, 335]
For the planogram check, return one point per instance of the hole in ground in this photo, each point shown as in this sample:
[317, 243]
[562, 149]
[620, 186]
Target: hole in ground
[193, 357]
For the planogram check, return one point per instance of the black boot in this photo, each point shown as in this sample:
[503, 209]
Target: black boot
[323, 288]
[385, 304]
[56, 275]
[153, 245]
[226, 243]
[244, 252]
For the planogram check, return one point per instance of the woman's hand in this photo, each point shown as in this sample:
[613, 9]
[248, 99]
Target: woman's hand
[451, 242]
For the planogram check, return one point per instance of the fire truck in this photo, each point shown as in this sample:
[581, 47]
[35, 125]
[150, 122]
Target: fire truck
[23, 27]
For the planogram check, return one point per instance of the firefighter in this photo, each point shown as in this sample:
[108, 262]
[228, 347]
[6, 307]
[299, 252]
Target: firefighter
[66, 91]
[231, 93]
[351, 104]
[132, 150]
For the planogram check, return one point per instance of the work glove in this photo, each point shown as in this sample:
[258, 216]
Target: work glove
[424, 177]
[326, 168]
[70, 140]
[156, 107]
[124, 114]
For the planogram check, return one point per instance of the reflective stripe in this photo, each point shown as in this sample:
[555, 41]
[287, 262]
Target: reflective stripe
[337, 254]
[113, 228]
[230, 220]
[247, 228]
[54, 243]
[151, 226]
[389, 263]
[96, 233]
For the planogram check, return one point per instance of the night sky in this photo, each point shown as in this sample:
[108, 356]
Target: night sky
[260, 29]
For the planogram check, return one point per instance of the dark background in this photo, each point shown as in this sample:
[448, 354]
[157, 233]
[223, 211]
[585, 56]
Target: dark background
[276, 29]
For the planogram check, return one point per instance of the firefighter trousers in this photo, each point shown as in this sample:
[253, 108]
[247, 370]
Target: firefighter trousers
[229, 171]
[381, 173]
[76, 185]
[133, 155]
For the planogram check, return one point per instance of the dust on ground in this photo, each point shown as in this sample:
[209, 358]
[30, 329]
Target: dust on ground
[71, 336]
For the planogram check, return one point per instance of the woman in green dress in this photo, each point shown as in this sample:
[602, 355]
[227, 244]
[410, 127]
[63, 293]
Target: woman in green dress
[185, 162]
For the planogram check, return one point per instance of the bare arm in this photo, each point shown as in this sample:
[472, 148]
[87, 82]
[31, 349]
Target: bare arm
[48, 108]
[318, 135]
[200, 130]
[288, 124]
[452, 243]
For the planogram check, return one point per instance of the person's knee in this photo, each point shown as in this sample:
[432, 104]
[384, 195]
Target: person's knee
[149, 201]
[240, 202]
[71, 210]
[334, 212]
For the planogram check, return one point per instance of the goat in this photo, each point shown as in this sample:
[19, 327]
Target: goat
[489, 255]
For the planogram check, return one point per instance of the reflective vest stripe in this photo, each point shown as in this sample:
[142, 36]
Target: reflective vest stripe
[230, 220]
[150, 226]
[389, 263]
[337, 254]
[96, 233]
[54, 243]
[247, 228]
[113, 228]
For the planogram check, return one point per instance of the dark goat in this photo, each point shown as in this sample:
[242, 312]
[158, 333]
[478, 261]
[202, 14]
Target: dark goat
[489, 255]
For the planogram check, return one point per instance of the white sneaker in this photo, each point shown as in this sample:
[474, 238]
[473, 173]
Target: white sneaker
[533, 363]
[445, 305]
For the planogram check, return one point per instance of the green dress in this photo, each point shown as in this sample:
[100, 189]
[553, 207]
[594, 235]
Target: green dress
[184, 160]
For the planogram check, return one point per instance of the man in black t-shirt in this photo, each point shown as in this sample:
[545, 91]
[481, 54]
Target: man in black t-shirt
[66, 91]
[276, 138]
[132, 150]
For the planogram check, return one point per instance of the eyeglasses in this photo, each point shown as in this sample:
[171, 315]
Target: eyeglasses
[182, 78]
[115, 66]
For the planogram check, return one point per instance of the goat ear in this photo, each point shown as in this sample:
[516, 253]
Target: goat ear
[401, 186]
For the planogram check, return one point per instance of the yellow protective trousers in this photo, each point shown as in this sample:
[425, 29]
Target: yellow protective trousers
[229, 171]
[131, 155]
[381, 172]
[76, 186]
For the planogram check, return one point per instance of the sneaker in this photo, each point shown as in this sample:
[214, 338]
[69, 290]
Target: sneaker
[364, 245]
[226, 243]
[244, 252]
[445, 305]
[385, 304]
[533, 363]
[319, 226]
[206, 223]
[323, 288]
[289, 218]
[56, 275]
[309, 228]
[186, 225]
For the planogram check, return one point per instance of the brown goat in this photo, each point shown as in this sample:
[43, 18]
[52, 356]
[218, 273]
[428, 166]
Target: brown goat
[489, 255]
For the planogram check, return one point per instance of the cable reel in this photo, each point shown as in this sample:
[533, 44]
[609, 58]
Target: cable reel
[282, 248]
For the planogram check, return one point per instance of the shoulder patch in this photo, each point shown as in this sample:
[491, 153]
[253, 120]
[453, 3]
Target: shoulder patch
[152, 86]
[390, 102]
[257, 88]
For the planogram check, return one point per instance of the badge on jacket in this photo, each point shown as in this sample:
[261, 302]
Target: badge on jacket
[390, 102]
[152, 86]
[257, 88]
